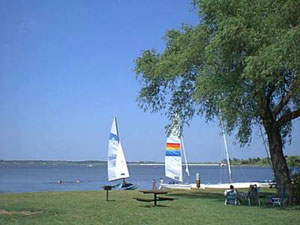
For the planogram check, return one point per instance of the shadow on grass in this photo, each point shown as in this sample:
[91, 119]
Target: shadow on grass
[154, 206]
[202, 195]
[219, 197]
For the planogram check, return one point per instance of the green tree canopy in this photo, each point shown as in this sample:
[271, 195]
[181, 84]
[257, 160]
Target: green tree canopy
[241, 64]
[242, 56]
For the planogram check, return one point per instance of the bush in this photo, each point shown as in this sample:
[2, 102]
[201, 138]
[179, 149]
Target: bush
[296, 187]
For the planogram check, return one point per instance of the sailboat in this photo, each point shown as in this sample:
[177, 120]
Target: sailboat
[116, 165]
[173, 160]
[173, 166]
[235, 184]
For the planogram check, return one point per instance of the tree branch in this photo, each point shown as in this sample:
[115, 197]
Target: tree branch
[285, 99]
[288, 117]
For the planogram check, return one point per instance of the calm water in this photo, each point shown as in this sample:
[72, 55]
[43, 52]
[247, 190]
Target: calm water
[44, 178]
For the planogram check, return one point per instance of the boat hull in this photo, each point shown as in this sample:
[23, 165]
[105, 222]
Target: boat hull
[176, 186]
[227, 185]
[119, 186]
[131, 187]
[213, 186]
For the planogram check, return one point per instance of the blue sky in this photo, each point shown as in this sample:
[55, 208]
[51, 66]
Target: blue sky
[66, 68]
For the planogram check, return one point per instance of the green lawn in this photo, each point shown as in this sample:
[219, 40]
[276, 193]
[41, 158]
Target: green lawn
[90, 207]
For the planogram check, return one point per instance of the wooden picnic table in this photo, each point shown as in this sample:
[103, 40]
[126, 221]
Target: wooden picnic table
[155, 196]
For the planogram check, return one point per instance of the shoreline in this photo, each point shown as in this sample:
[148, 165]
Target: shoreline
[162, 164]
[102, 163]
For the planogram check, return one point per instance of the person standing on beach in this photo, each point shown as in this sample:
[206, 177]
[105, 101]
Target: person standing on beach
[161, 181]
[154, 184]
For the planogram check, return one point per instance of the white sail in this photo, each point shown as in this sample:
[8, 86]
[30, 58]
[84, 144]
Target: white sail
[173, 163]
[121, 167]
[116, 164]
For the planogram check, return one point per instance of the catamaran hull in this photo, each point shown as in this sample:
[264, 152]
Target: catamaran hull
[227, 185]
[213, 186]
[131, 187]
[120, 187]
[176, 186]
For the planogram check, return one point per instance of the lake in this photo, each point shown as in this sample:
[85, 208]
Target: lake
[20, 178]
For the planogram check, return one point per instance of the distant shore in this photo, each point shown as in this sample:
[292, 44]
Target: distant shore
[162, 164]
[92, 163]
[89, 163]
[292, 161]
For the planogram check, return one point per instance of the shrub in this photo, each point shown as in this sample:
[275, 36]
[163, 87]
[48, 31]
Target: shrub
[296, 187]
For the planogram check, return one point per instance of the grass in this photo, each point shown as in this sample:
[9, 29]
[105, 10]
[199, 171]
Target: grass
[91, 208]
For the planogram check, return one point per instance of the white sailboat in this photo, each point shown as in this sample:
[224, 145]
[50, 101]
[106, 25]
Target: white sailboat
[227, 185]
[173, 166]
[116, 165]
[173, 160]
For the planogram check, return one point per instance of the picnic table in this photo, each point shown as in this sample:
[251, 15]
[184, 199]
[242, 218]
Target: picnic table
[155, 196]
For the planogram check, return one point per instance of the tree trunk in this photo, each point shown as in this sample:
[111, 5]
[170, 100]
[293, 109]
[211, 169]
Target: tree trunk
[280, 168]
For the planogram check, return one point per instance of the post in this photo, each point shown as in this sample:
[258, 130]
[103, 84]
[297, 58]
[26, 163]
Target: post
[198, 180]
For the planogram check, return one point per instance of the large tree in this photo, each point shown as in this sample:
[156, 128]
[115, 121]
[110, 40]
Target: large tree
[240, 64]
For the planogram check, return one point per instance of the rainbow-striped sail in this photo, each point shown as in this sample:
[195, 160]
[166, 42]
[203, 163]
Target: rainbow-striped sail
[173, 162]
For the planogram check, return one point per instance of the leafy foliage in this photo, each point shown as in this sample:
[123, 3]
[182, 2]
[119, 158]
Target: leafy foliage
[296, 187]
[239, 64]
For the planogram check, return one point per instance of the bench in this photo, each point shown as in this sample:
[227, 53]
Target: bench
[144, 199]
[165, 199]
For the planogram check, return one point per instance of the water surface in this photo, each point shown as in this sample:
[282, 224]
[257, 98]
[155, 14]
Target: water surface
[25, 178]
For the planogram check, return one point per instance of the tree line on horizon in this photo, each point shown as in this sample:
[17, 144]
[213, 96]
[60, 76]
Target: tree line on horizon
[292, 161]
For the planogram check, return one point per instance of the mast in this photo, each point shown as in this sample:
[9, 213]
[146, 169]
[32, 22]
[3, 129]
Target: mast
[185, 157]
[117, 129]
[267, 149]
[226, 150]
[227, 155]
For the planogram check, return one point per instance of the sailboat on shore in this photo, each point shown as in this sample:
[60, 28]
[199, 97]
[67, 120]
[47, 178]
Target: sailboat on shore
[173, 166]
[116, 165]
[173, 160]
[235, 184]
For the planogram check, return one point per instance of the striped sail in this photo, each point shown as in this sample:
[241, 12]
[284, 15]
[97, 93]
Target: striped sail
[116, 164]
[173, 163]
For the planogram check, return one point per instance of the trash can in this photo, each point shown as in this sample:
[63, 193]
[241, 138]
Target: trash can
[198, 182]
[107, 188]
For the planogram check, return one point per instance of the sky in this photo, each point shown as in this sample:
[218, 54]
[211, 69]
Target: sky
[67, 68]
